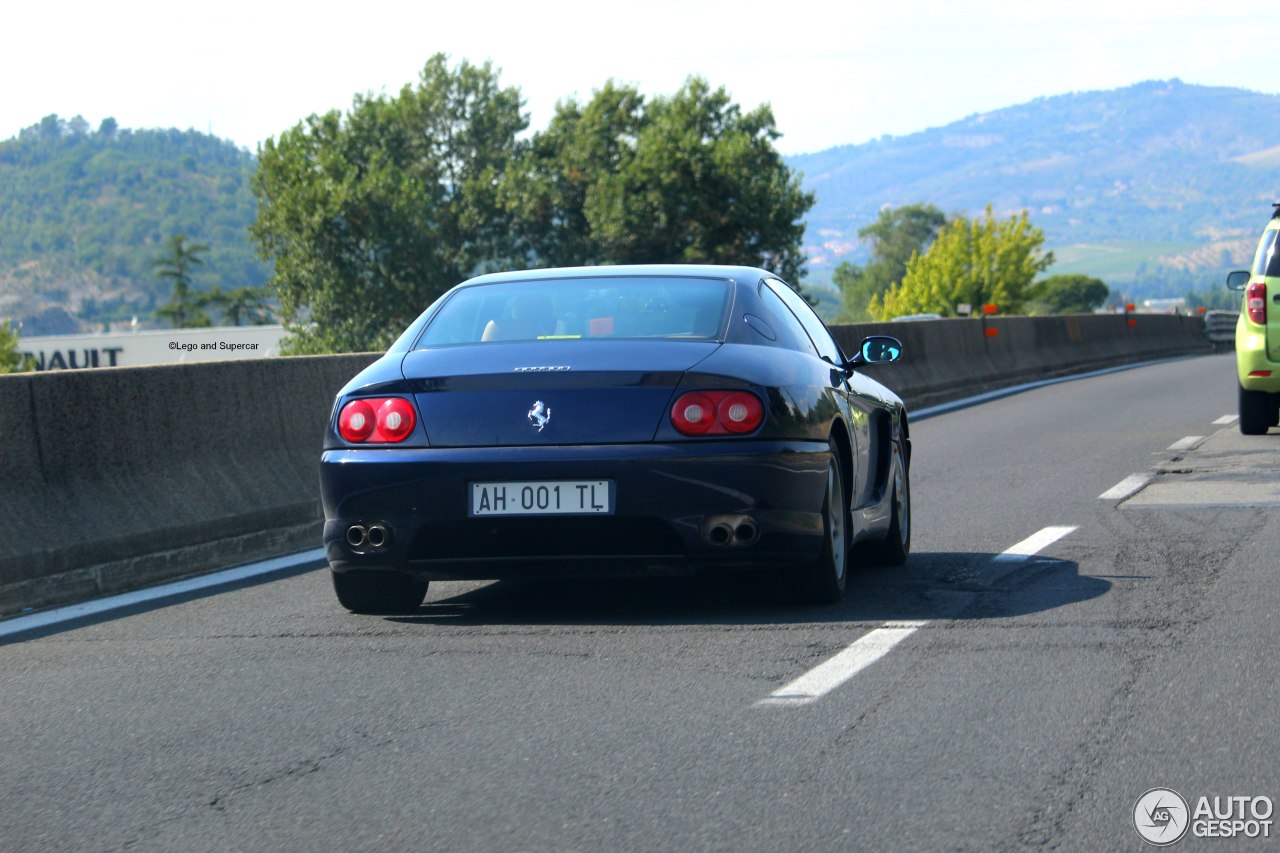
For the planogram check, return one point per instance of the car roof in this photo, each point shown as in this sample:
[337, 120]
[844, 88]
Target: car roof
[737, 274]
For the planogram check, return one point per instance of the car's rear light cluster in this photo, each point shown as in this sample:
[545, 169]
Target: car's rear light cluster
[377, 420]
[1255, 302]
[717, 413]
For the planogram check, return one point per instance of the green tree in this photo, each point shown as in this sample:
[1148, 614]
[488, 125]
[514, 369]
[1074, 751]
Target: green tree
[371, 215]
[896, 235]
[1219, 298]
[1067, 294]
[11, 360]
[186, 308]
[550, 186]
[243, 303]
[973, 261]
[687, 178]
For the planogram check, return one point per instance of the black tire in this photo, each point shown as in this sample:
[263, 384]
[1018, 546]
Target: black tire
[894, 549]
[823, 582]
[1255, 412]
[378, 592]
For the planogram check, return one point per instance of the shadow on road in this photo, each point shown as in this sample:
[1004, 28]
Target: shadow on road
[932, 585]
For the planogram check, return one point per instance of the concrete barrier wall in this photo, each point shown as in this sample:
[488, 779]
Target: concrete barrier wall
[114, 478]
[948, 359]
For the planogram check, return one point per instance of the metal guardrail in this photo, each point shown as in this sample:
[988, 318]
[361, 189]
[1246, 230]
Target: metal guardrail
[1220, 329]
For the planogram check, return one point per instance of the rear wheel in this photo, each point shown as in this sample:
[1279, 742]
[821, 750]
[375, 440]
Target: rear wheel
[823, 582]
[1255, 412]
[896, 545]
[378, 592]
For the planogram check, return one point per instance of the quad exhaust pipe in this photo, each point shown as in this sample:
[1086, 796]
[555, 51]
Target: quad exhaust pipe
[374, 536]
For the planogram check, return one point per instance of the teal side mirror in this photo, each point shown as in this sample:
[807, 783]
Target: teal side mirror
[878, 349]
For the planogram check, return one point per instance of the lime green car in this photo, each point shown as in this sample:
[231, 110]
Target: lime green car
[1258, 334]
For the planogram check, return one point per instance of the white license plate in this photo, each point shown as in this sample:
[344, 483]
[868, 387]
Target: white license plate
[543, 497]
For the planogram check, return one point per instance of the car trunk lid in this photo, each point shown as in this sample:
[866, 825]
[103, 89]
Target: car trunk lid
[548, 392]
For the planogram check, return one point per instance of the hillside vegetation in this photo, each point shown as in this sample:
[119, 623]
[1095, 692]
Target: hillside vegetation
[1132, 184]
[83, 213]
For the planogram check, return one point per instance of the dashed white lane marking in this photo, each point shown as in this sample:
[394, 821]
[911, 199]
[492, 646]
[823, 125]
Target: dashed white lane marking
[877, 643]
[1126, 487]
[1226, 420]
[830, 674]
[1035, 543]
[1186, 443]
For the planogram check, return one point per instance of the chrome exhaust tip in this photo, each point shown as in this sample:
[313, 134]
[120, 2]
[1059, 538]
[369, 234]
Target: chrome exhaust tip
[745, 533]
[378, 536]
[720, 534]
[356, 535]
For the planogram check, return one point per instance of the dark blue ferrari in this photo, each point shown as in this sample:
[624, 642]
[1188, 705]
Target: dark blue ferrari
[613, 420]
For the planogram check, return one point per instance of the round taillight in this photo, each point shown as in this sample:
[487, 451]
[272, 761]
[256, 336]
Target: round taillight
[717, 412]
[694, 413]
[357, 421]
[395, 419]
[740, 412]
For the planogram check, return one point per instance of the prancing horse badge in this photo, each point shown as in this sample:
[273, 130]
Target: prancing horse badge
[539, 415]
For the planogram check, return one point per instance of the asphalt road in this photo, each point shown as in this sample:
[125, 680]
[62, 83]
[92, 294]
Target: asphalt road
[1029, 700]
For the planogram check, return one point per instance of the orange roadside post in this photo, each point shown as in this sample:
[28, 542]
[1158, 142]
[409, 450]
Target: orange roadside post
[988, 310]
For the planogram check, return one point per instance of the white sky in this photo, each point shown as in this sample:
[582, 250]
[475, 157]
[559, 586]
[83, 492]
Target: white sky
[835, 73]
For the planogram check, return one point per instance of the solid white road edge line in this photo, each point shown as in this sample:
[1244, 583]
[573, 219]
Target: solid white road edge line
[829, 675]
[877, 643]
[1186, 443]
[1226, 419]
[54, 616]
[1126, 487]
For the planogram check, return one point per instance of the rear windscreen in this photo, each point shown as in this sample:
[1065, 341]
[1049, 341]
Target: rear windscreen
[581, 308]
[1267, 259]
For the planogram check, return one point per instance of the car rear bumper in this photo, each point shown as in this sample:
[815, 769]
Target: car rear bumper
[1259, 375]
[1254, 366]
[679, 508]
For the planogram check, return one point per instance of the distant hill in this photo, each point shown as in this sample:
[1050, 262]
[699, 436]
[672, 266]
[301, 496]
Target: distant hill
[1159, 186]
[83, 213]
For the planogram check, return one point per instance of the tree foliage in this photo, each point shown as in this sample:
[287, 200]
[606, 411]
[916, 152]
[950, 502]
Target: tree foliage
[1218, 298]
[369, 216]
[249, 304]
[973, 261]
[185, 309]
[11, 360]
[686, 178]
[1067, 294]
[896, 235]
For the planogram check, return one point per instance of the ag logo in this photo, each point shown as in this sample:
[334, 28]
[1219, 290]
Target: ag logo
[1161, 816]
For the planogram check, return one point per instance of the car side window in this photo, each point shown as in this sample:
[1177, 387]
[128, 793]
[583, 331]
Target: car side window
[790, 333]
[817, 332]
